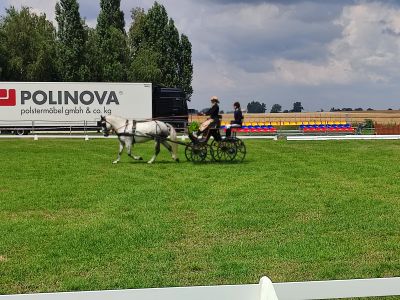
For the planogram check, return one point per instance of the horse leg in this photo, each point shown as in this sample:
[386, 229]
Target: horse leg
[168, 146]
[156, 151]
[129, 147]
[121, 148]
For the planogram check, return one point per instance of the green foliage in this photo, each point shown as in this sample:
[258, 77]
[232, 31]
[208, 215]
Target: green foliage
[110, 16]
[72, 40]
[194, 126]
[256, 107]
[369, 123]
[297, 107]
[32, 50]
[3, 54]
[186, 66]
[276, 108]
[28, 46]
[144, 67]
[158, 53]
[111, 41]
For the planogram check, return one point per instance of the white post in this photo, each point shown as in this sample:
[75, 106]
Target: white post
[267, 291]
[86, 137]
[35, 137]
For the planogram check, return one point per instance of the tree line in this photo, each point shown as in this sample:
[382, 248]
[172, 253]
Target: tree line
[33, 49]
[257, 107]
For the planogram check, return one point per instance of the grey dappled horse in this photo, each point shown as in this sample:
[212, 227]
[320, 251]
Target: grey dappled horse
[131, 131]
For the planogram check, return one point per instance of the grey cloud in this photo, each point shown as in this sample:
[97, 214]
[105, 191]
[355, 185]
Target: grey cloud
[390, 31]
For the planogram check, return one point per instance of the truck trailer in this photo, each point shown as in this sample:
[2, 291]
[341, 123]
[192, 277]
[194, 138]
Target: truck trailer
[77, 106]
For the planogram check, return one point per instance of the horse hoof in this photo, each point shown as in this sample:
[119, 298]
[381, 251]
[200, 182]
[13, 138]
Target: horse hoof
[177, 160]
[115, 162]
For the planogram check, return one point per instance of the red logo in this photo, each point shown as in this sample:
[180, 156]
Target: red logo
[8, 97]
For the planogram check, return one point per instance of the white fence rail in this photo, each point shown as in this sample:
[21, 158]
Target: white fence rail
[342, 137]
[265, 290]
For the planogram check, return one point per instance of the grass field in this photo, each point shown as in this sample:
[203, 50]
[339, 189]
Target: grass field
[294, 211]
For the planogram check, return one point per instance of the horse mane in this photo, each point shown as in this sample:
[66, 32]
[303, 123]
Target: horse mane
[114, 120]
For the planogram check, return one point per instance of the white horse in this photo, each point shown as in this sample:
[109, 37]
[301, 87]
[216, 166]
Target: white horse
[131, 131]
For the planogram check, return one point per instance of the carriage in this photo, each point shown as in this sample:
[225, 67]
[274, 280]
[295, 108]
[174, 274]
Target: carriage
[228, 148]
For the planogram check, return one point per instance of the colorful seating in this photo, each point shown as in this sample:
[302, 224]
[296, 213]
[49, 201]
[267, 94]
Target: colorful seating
[329, 127]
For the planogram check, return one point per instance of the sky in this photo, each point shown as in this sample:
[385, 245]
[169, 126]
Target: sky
[322, 53]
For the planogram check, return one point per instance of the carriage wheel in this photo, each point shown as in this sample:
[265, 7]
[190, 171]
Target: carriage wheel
[240, 150]
[196, 152]
[224, 151]
[213, 149]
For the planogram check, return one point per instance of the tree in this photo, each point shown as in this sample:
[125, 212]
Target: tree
[111, 40]
[144, 67]
[276, 108]
[3, 54]
[256, 107]
[158, 53]
[110, 16]
[28, 45]
[92, 54]
[71, 42]
[186, 66]
[297, 107]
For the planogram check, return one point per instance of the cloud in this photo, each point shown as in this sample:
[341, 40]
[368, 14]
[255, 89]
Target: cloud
[38, 6]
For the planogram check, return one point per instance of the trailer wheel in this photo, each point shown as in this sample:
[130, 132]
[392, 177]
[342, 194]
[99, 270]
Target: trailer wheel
[21, 132]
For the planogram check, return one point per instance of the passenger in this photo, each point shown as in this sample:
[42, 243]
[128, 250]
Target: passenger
[213, 112]
[238, 116]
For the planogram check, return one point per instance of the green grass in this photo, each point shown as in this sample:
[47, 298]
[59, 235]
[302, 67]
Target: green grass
[294, 211]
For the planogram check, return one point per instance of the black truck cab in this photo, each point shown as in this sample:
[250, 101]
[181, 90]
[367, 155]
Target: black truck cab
[170, 105]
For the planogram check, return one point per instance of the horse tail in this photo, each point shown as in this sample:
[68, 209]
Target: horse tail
[173, 138]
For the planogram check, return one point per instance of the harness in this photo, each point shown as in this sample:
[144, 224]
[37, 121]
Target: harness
[128, 131]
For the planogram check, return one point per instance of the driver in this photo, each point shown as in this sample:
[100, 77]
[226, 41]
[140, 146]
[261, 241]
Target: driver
[213, 112]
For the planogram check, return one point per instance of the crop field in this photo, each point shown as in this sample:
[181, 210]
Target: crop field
[294, 211]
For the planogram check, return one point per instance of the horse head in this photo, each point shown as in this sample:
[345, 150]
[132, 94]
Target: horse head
[105, 126]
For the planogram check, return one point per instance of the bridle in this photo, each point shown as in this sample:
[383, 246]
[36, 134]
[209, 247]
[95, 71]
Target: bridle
[103, 124]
